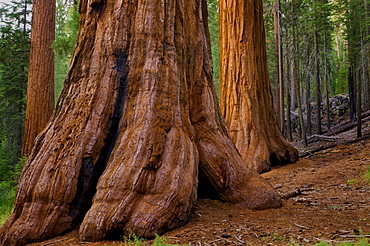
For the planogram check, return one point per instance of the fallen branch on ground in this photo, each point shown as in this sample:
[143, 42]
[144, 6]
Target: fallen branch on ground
[324, 147]
[291, 194]
[347, 125]
[354, 236]
[316, 137]
[301, 226]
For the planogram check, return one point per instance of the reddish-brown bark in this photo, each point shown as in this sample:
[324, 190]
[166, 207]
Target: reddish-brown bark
[245, 92]
[40, 86]
[137, 119]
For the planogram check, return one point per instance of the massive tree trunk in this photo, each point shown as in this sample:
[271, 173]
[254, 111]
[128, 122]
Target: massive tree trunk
[246, 100]
[40, 87]
[136, 124]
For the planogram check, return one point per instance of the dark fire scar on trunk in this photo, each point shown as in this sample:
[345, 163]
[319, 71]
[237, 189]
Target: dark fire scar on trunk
[90, 173]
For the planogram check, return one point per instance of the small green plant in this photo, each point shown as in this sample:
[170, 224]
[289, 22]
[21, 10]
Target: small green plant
[294, 244]
[8, 190]
[322, 244]
[7, 195]
[351, 181]
[276, 237]
[367, 175]
[134, 241]
[162, 241]
[137, 241]
[358, 242]
[158, 241]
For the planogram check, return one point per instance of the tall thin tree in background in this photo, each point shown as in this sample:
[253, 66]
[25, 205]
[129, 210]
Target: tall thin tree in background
[279, 96]
[357, 18]
[352, 94]
[288, 89]
[359, 109]
[326, 82]
[296, 85]
[317, 84]
[40, 87]
[308, 87]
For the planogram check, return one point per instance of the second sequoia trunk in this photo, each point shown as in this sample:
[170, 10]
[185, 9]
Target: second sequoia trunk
[245, 92]
[40, 84]
[136, 124]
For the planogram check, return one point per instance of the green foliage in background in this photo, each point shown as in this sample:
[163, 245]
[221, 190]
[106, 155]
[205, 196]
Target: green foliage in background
[7, 190]
[7, 195]
[67, 17]
[14, 53]
[213, 30]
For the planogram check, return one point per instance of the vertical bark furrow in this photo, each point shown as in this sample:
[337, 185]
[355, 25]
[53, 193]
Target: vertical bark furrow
[90, 172]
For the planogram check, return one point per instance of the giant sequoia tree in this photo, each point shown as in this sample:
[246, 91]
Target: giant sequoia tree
[136, 125]
[40, 85]
[245, 93]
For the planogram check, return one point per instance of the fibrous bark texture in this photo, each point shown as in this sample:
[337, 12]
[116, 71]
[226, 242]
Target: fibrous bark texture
[40, 85]
[136, 124]
[245, 92]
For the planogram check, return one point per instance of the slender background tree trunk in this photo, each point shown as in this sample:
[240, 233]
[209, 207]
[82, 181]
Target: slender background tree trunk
[308, 91]
[288, 99]
[352, 93]
[326, 82]
[358, 105]
[277, 40]
[279, 66]
[317, 85]
[296, 84]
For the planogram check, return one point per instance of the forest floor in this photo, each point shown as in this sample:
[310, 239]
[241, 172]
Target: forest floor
[333, 206]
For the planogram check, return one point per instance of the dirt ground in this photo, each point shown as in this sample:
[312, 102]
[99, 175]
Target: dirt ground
[334, 205]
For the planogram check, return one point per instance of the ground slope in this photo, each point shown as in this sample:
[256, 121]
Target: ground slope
[334, 206]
